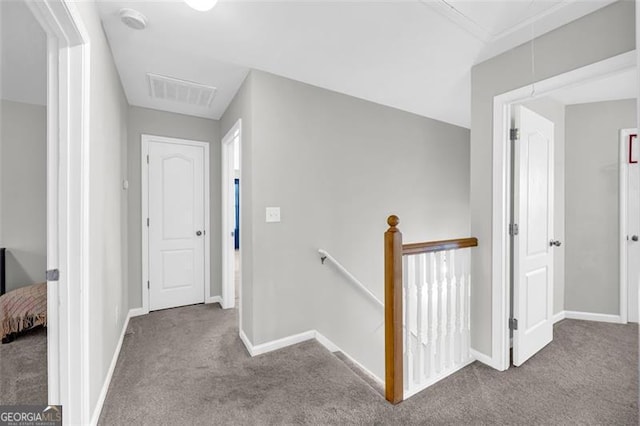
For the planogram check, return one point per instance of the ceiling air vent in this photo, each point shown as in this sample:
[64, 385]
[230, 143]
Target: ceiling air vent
[176, 90]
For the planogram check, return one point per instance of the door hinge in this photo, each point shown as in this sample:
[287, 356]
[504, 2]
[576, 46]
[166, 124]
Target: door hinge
[514, 134]
[513, 229]
[513, 324]
[148, 285]
[147, 159]
[147, 222]
[53, 275]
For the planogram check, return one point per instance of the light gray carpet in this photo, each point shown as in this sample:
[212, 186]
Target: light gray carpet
[187, 366]
[23, 369]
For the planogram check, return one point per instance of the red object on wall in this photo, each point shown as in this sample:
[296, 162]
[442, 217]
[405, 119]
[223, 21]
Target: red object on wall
[631, 139]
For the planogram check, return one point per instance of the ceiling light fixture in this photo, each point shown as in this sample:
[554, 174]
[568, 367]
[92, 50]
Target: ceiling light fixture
[201, 5]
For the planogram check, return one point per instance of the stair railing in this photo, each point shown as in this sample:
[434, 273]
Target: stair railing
[427, 288]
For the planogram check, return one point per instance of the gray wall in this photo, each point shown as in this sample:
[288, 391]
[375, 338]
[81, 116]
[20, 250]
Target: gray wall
[555, 111]
[241, 108]
[338, 166]
[23, 169]
[158, 123]
[592, 204]
[607, 32]
[107, 286]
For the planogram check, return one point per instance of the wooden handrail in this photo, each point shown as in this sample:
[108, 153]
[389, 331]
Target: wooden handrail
[393, 252]
[393, 312]
[433, 246]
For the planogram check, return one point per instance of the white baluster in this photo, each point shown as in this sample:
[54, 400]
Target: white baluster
[461, 307]
[420, 279]
[407, 277]
[442, 321]
[452, 293]
[464, 350]
[432, 327]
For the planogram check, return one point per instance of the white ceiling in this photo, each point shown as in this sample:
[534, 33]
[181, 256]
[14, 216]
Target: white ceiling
[23, 55]
[623, 85]
[410, 54]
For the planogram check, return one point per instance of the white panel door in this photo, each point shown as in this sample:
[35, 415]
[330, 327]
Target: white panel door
[176, 225]
[533, 245]
[631, 149]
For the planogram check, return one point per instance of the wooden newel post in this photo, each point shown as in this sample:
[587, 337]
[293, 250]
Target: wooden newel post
[393, 311]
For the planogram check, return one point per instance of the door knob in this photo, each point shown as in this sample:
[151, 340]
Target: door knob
[634, 238]
[198, 233]
[555, 243]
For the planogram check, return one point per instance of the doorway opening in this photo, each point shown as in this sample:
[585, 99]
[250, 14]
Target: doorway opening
[231, 216]
[67, 204]
[514, 289]
[23, 207]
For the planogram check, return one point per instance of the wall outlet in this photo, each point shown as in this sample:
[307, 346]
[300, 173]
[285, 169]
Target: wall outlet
[273, 214]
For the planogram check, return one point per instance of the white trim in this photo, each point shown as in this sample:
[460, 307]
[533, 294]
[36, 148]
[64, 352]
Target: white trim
[144, 151]
[501, 190]
[213, 299]
[559, 316]
[136, 312]
[274, 345]
[247, 343]
[623, 193]
[299, 338]
[227, 182]
[485, 359]
[408, 393]
[588, 316]
[114, 361]
[332, 347]
[68, 113]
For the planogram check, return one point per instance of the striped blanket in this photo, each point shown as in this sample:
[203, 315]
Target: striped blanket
[22, 309]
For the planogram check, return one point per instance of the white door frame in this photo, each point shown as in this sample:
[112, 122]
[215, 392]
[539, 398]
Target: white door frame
[624, 172]
[228, 277]
[68, 56]
[144, 170]
[501, 188]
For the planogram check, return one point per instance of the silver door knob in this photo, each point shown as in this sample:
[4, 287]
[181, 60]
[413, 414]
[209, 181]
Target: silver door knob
[555, 243]
[198, 233]
[634, 238]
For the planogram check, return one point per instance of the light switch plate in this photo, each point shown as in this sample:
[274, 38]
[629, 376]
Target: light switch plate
[273, 214]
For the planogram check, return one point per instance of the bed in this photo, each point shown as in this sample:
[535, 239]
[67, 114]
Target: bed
[21, 309]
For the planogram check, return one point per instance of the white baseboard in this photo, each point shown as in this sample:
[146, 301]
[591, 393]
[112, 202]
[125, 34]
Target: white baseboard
[263, 348]
[559, 316]
[588, 316]
[247, 343]
[213, 299]
[273, 345]
[409, 393]
[136, 312]
[107, 380]
[485, 359]
[332, 347]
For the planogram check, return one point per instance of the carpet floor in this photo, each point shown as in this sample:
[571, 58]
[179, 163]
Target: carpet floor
[187, 366]
[23, 369]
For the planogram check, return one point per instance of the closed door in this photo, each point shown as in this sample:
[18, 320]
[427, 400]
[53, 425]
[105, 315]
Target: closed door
[631, 161]
[176, 224]
[533, 244]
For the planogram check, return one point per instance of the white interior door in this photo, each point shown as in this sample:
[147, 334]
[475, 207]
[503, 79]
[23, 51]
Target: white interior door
[630, 169]
[533, 245]
[176, 224]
